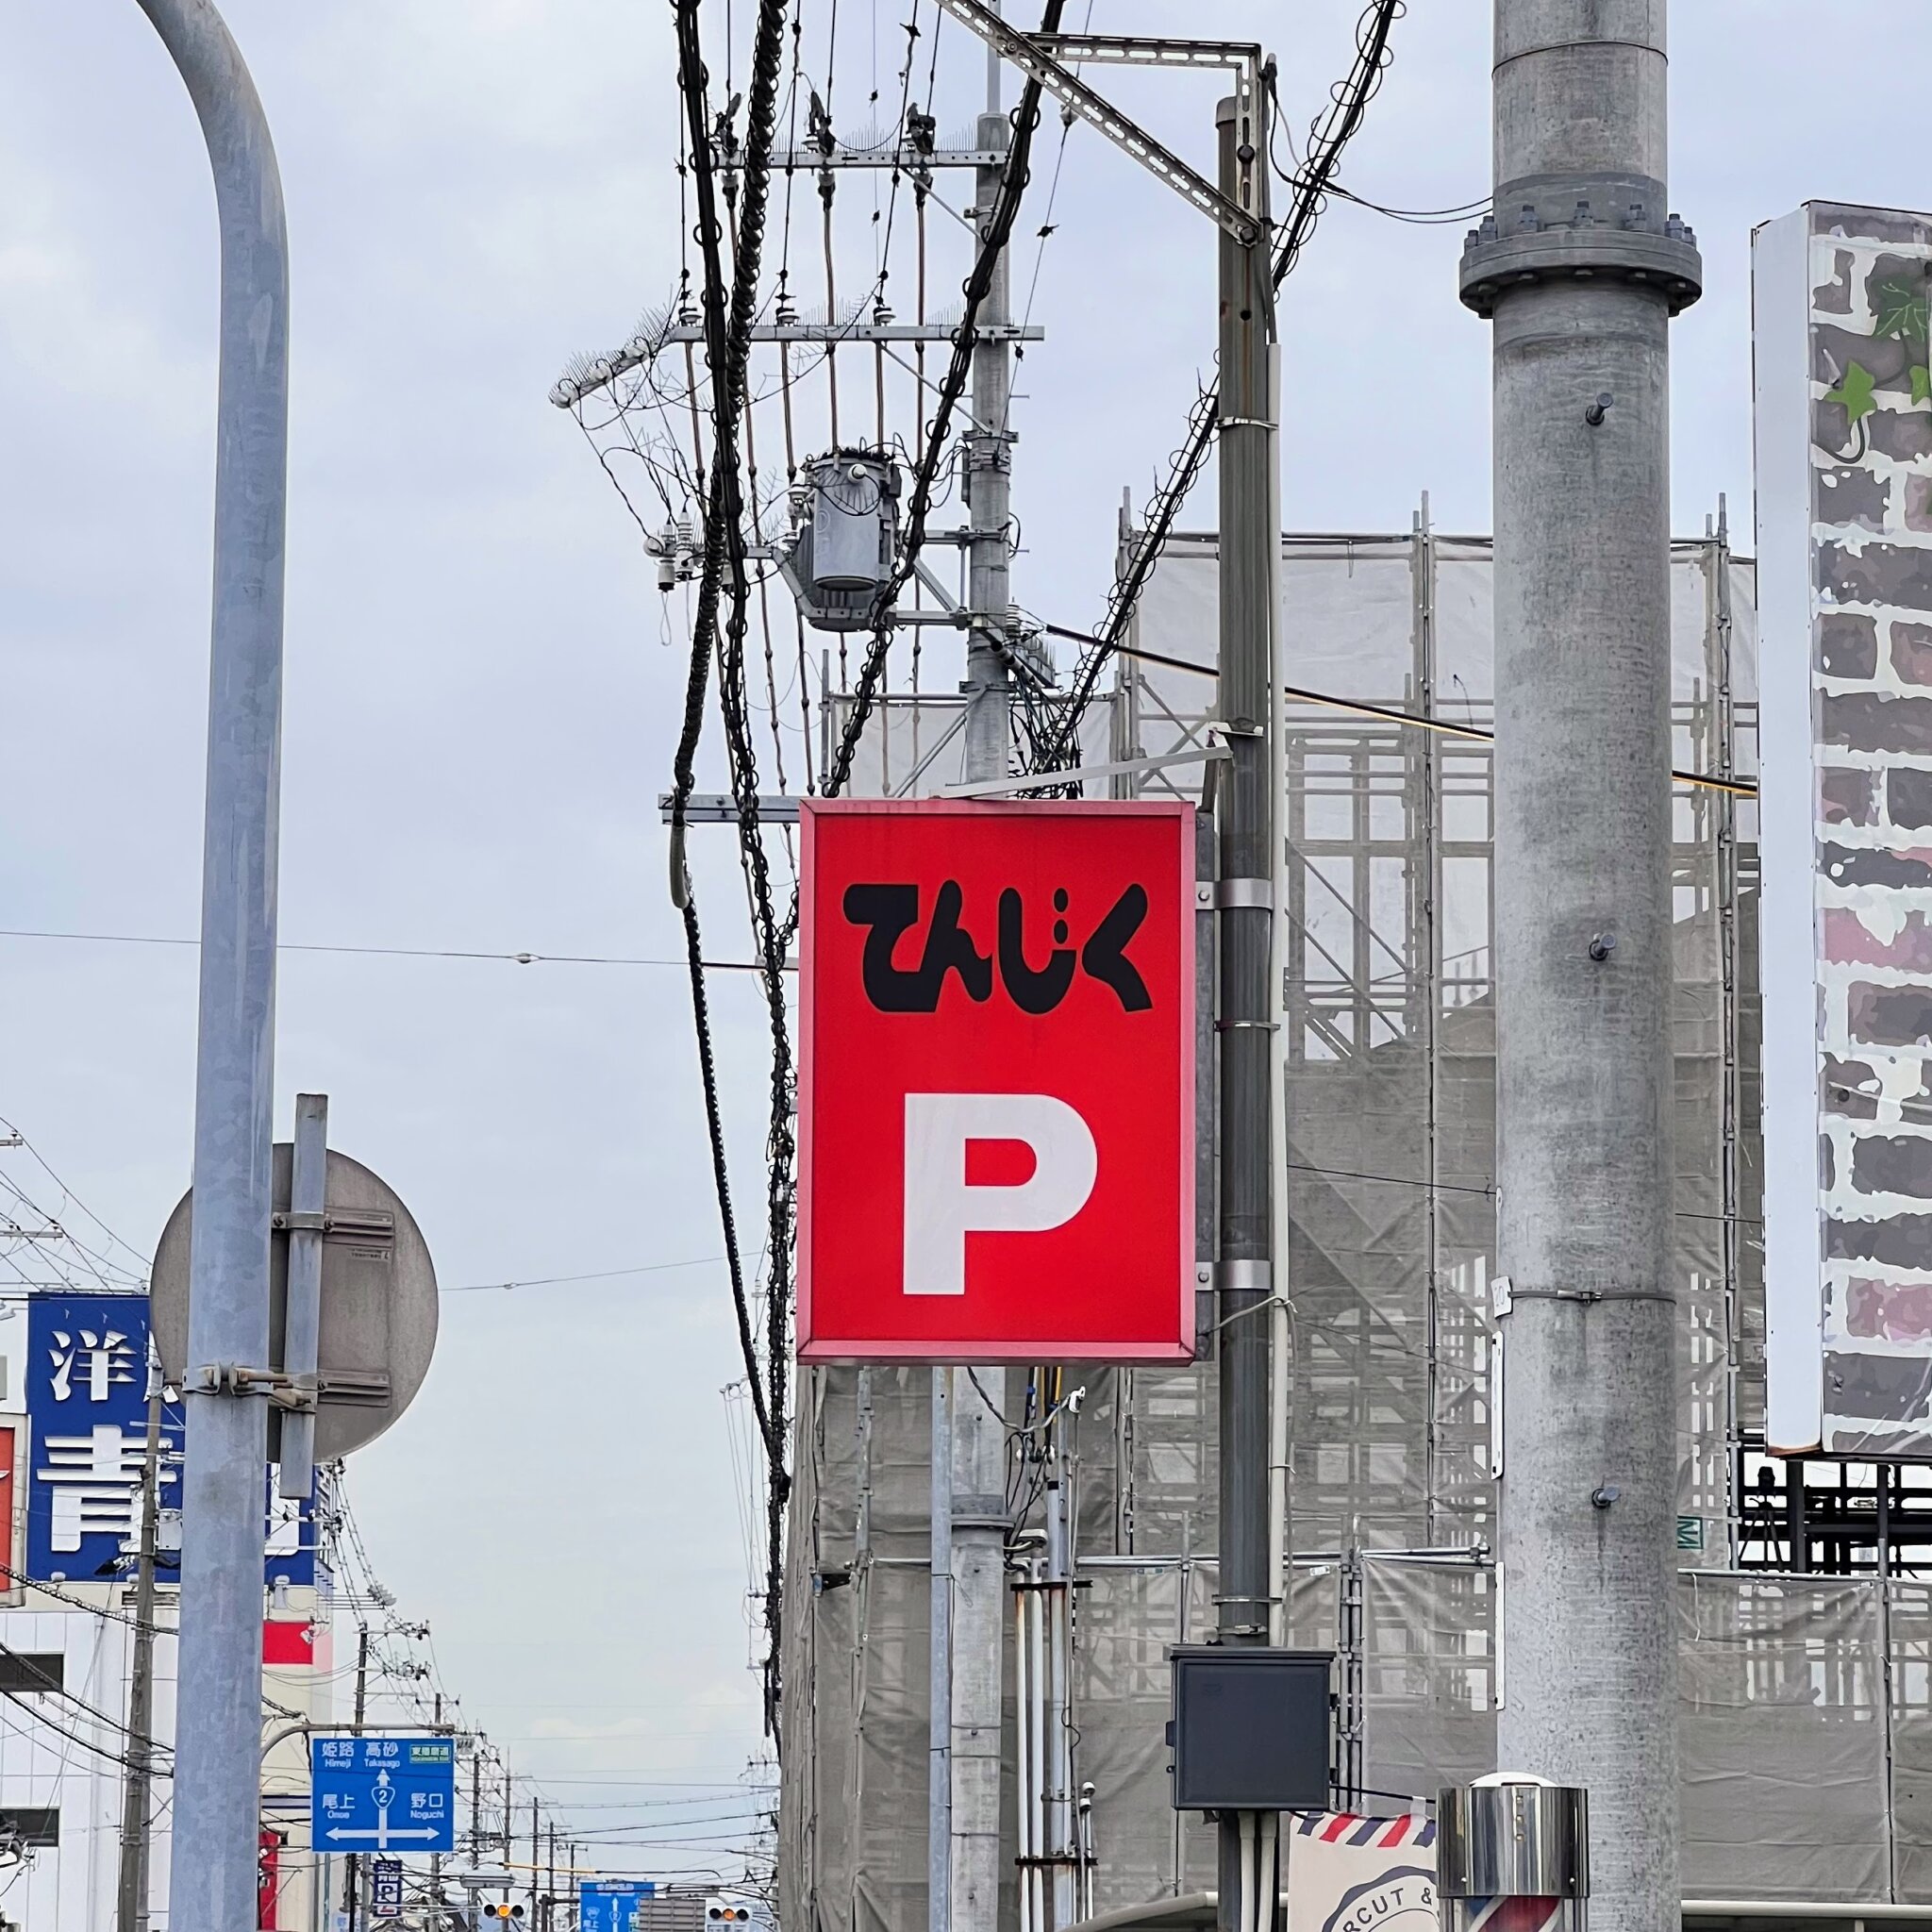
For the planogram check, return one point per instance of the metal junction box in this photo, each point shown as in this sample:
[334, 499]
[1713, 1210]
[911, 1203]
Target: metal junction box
[1252, 1729]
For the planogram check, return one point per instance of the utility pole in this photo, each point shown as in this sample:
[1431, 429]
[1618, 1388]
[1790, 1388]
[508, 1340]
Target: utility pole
[212, 1884]
[969, 1413]
[1580, 270]
[536, 1870]
[1246, 896]
[132, 1915]
[352, 1865]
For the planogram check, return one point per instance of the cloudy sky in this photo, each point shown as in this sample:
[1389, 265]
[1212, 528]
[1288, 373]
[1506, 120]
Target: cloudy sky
[481, 702]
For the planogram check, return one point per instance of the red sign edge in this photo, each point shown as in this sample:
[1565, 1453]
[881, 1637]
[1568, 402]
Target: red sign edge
[814, 1353]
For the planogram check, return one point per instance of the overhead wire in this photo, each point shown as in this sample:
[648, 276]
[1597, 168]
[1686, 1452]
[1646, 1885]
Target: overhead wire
[1334, 129]
[993, 235]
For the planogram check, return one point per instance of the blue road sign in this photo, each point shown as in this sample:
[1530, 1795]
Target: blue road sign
[384, 1888]
[610, 1905]
[382, 1794]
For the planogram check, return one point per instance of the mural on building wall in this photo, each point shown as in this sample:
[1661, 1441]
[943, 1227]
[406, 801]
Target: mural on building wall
[1847, 830]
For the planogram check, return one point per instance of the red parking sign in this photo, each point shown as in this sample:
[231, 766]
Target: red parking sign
[996, 1093]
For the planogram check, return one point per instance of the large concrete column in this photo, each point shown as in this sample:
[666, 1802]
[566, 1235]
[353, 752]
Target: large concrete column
[1581, 268]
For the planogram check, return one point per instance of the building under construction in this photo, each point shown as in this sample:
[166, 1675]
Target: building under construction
[1806, 1635]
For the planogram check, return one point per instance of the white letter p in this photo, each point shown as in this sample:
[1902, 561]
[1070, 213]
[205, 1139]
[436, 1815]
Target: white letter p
[943, 1208]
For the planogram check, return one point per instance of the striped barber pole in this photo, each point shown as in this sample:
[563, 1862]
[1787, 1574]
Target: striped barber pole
[1512, 1914]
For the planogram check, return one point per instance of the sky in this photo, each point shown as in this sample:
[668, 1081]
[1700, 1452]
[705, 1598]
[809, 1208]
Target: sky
[483, 684]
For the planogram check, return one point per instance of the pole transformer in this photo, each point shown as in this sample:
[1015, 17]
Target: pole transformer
[1579, 271]
[1244, 894]
[213, 1883]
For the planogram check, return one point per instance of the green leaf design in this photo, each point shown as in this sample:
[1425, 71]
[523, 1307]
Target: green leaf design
[1854, 392]
[1900, 309]
[1921, 384]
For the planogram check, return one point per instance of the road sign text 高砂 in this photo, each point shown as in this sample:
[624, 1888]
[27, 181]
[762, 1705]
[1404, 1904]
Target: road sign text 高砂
[996, 1097]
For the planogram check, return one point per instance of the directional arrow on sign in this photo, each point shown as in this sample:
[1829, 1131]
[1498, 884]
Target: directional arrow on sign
[385, 1834]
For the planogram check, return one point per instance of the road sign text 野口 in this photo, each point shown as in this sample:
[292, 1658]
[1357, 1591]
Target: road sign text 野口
[382, 1794]
[996, 1097]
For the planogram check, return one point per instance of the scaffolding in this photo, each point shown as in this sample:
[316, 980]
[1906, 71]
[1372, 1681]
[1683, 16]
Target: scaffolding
[1807, 1712]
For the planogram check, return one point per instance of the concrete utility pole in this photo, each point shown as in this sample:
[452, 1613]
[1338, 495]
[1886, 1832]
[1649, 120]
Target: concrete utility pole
[132, 1915]
[975, 1401]
[1581, 268]
[1245, 896]
[217, 1769]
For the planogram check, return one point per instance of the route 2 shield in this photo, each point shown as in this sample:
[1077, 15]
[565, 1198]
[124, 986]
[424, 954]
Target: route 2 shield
[996, 1093]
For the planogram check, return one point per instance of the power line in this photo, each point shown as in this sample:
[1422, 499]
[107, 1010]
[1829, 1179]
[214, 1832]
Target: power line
[1349, 99]
[597, 1274]
[136, 938]
[993, 237]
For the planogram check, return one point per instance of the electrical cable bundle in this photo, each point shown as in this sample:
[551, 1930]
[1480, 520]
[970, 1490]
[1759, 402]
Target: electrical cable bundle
[728, 344]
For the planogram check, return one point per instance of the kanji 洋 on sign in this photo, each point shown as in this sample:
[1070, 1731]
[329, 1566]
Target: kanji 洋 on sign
[87, 1406]
[997, 1087]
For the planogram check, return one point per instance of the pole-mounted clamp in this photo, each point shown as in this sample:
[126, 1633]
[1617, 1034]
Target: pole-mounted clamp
[296, 1392]
[1506, 1294]
[301, 1394]
[1256, 895]
[1255, 1274]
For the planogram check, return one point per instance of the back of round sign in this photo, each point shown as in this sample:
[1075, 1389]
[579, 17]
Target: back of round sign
[378, 1303]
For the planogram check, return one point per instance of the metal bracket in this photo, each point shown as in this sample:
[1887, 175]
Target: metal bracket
[721, 808]
[585, 377]
[1034, 59]
[1588, 1296]
[1252, 894]
[1126, 768]
[902, 155]
[297, 1394]
[294, 1393]
[1243, 1274]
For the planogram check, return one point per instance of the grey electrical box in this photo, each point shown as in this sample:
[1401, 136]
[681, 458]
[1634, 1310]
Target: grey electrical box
[844, 544]
[1252, 1729]
[848, 516]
